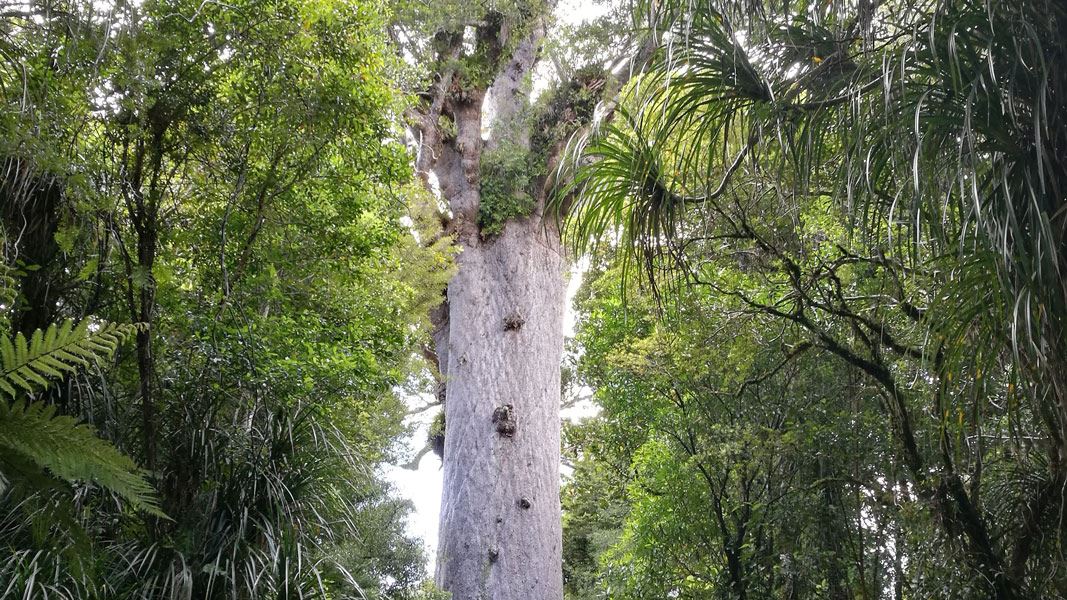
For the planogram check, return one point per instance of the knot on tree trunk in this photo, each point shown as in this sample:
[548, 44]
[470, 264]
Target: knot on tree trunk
[513, 322]
[436, 435]
[504, 419]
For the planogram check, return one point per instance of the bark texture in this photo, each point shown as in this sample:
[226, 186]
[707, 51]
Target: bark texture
[498, 341]
[500, 514]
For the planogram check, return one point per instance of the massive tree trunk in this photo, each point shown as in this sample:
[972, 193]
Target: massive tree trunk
[500, 514]
[498, 340]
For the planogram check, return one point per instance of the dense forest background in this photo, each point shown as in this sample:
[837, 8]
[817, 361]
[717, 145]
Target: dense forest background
[822, 318]
[230, 179]
[828, 338]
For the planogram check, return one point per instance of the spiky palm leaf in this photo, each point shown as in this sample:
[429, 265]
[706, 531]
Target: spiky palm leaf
[716, 97]
[967, 139]
[942, 133]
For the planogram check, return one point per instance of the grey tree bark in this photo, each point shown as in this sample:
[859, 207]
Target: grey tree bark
[500, 514]
[498, 343]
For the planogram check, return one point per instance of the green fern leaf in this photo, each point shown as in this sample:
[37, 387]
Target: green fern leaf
[36, 339]
[31, 375]
[48, 365]
[7, 351]
[55, 352]
[19, 381]
[22, 351]
[71, 451]
[66, 357]
[50, 335]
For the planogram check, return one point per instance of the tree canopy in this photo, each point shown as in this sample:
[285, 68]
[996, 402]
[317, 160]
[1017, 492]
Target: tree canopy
[869, 186]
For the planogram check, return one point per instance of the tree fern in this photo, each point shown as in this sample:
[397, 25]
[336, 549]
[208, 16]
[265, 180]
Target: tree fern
[32, 430]
[61, 349]
[71, 451]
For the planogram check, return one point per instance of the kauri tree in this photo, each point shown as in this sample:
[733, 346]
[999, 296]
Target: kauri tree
[488, 151]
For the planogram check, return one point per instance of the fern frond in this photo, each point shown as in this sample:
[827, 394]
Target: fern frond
[58, 443]
[28, 365]
[72, 451]
[8, 294]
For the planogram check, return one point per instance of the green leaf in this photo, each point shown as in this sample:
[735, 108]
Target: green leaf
[71, 451]
[55, 352]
